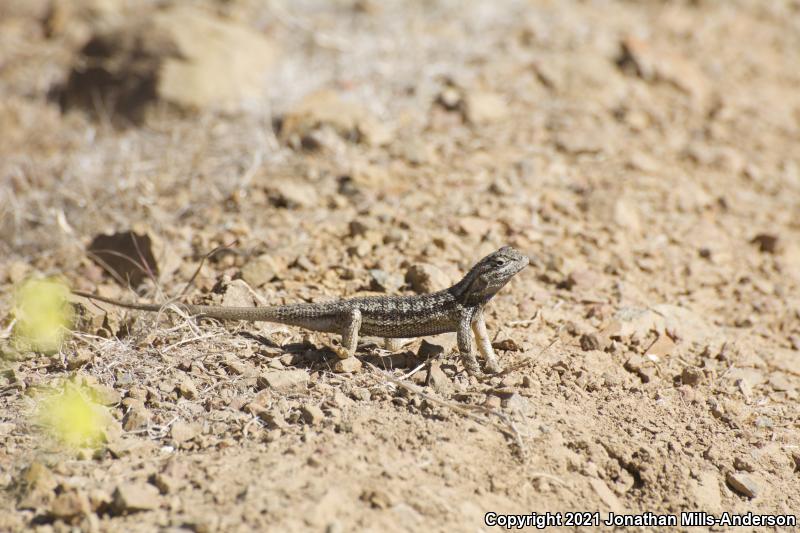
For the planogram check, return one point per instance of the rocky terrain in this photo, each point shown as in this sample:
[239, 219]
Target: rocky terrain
[644, 154]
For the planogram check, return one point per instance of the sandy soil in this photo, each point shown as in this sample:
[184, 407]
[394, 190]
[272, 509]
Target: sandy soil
[645, 154]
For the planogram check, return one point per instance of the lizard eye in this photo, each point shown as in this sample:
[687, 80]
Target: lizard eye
[499, 262]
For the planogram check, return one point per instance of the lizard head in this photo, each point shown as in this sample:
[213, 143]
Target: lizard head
[490, 274]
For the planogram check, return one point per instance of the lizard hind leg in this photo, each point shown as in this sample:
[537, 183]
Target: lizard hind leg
[350, 329]
[393, 345]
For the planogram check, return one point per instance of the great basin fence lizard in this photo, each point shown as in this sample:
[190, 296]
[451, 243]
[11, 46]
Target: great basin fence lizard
[458, 308]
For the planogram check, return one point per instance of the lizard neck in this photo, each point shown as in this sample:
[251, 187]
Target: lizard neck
[466, 293]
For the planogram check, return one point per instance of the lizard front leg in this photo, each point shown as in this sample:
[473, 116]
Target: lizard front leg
[484, 344]
[350, 330]
[464, 339]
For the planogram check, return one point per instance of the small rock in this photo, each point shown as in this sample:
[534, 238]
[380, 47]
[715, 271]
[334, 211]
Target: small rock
[184, 431]
[794, 342]
[125, 255]
[506, 345]
[273, 418]
[744, 463]
[492, 402]
[104, 395]
[133, 497]
[238, 294]
[438, 380]
[441, 347]
[136, 419]
[363, 394]
[766, 242]
[474, 226]
[69, 504]
[590, 341]
[426, 278]
[742, 484]
[483, 107]
[260, 271]
[17, 271]
[691, 376]
[293, 194]
[360, 226]
[187, 388]
[166, 484]
[662, 347]
[82, 357]
[283, 381]
[780, 383]
[378, 499]
[382, 281]
[637, 365]
[326, 109]
[312, 414]
[347, 366]
[450, 98]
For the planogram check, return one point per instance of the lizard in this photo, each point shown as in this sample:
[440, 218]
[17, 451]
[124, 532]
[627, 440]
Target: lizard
[458, 309]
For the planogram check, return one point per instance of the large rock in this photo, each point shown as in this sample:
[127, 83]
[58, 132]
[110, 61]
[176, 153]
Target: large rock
[182, 54]
[327, 109]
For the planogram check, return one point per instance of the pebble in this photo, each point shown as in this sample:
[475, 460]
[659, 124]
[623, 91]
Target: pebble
[273, 418]
[744, 463]
[767, 243]
[312, 414]
[238, 294]
[104, 395]
[506, 345]
[742, 484]
[184, 431]
[166, 484]
[82, 357]
[293, 194]
[283, 381]
[187, 388]
[590, 341]
[69, 504]
[260, 271]
[426, 278]
[382, 281]
[347, 366]
[433, 349]
[483, 107]
[438, 380]
[134, 497]
[137, 418]
[691, 376]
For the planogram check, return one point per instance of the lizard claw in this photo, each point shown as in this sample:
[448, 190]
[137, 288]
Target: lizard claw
[340, 351]
[493, 367]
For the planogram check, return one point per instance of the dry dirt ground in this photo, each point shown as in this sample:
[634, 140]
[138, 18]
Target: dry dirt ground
[645, 154]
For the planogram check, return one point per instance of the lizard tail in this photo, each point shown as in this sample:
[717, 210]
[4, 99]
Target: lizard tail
[254, 314]
[134, 305]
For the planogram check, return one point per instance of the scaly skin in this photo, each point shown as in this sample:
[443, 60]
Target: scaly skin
[458, 308]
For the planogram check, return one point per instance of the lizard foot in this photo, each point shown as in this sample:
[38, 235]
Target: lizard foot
[340, 351]
[493, 366]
